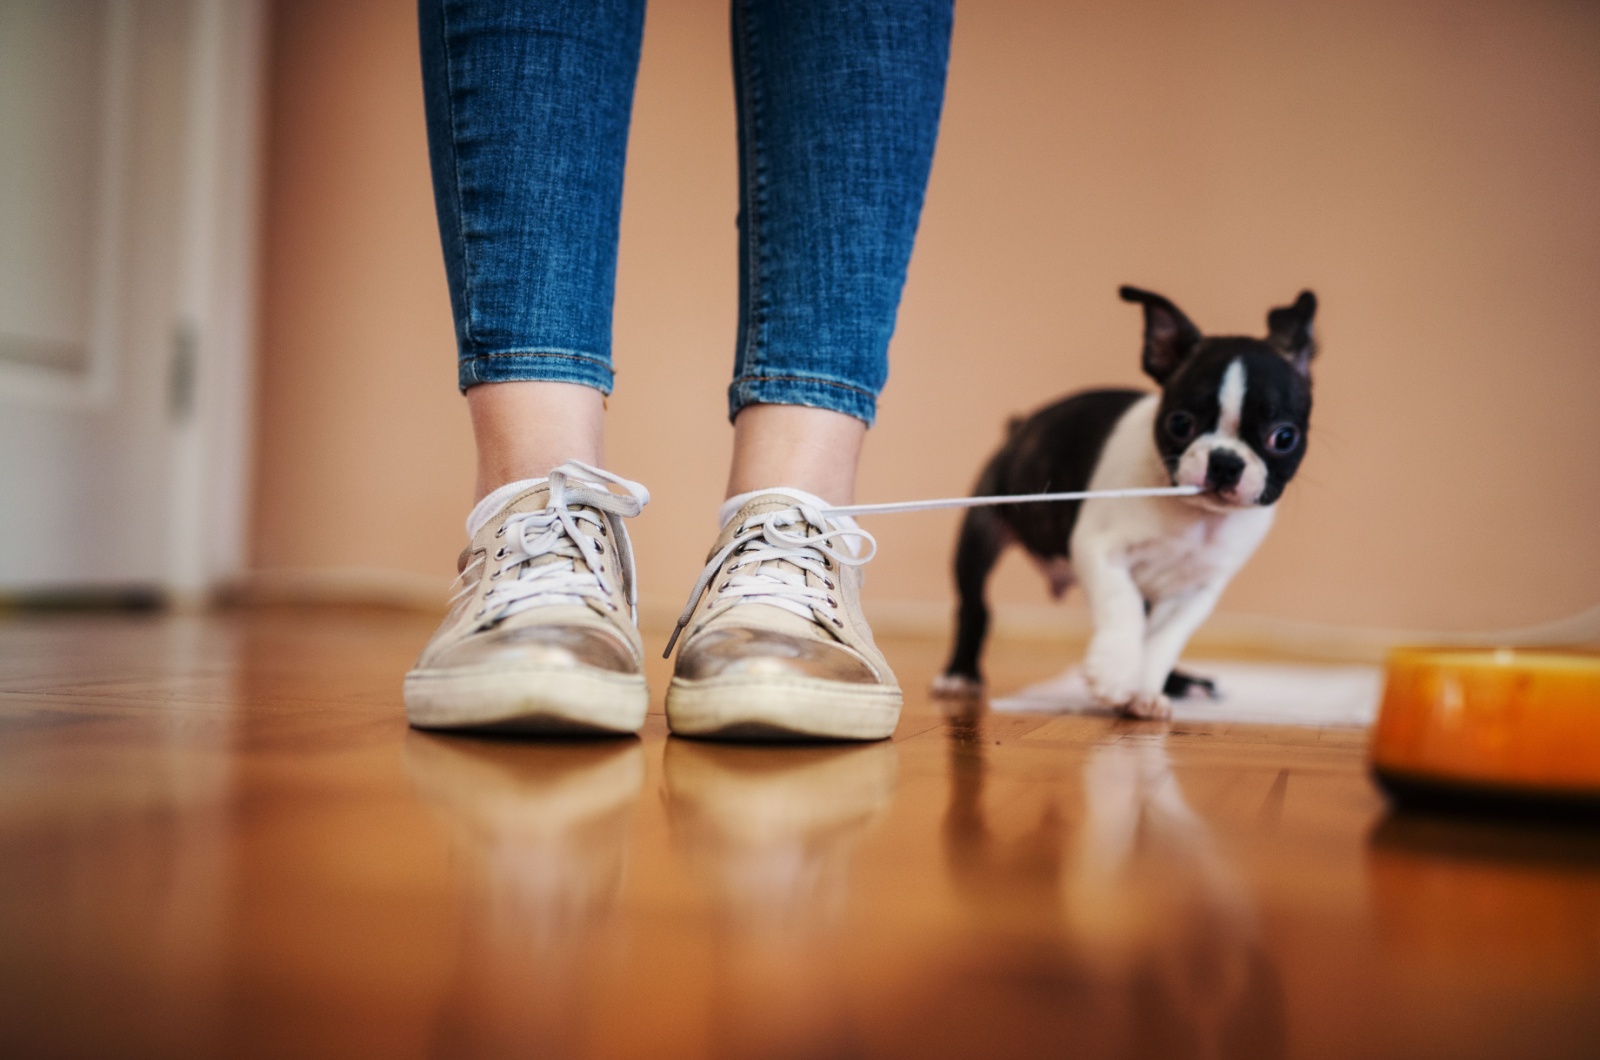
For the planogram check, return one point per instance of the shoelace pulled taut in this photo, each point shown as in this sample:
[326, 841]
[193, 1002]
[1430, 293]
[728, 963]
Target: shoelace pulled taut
[771, 555]
[545, 559]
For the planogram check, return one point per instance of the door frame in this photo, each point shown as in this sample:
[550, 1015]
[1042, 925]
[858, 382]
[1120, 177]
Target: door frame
[214, 320]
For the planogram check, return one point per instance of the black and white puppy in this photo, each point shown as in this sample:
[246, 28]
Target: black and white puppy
[1231, 418]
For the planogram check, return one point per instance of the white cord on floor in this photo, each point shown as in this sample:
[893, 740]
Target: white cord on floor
[1018, 498]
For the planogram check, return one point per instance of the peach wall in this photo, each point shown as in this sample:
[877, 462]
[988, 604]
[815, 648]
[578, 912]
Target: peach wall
[1428, 167]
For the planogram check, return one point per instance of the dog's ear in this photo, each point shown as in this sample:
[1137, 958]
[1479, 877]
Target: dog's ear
[1289, 331]
[1169, 336]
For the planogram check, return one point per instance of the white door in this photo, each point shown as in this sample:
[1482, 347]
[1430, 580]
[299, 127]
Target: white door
[125, 188]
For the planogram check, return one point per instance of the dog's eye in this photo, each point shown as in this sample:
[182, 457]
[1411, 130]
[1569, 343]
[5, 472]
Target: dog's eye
[1180, 425]
[1283, 438]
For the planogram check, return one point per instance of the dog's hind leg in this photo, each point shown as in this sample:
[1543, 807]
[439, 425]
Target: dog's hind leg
[1180, 685]
[984, 537]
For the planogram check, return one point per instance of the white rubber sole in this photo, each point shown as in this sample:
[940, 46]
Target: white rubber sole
[571, 702]
[767, 708]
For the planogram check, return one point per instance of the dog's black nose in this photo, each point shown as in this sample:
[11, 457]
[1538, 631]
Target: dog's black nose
[1223, 469]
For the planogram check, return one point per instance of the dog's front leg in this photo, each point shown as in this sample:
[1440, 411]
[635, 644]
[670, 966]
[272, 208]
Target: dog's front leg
[1113, 668]
[1172, 622]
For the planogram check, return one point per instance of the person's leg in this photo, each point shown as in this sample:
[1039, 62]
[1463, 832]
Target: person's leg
[527, 108]
[838, 111]
[839, 106]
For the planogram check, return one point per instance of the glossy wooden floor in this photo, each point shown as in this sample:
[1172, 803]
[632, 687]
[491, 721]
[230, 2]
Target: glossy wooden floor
[218, 838]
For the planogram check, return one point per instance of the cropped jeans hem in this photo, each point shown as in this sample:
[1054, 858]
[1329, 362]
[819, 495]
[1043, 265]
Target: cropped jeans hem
[543, 365]
[812, 391]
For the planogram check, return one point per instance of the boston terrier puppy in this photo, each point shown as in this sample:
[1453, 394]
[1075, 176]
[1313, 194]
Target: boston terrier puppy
[1231, 418]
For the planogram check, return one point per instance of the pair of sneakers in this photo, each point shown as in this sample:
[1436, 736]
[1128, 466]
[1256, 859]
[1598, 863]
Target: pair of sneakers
[542, 635]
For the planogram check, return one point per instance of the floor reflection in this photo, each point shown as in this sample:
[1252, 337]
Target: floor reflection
[999, 864]
[218, 838]
[116, 844]
[1452, 893]
[1107, 922]
[542, 829]
[770, 833]
[1156, 906]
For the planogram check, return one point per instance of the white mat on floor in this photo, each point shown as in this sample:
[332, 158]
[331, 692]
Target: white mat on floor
[1268, 694]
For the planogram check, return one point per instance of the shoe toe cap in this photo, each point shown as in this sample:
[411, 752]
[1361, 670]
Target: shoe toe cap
[550, 647]
[748, 652]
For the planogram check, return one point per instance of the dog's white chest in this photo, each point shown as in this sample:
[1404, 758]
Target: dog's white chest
[1176, 563]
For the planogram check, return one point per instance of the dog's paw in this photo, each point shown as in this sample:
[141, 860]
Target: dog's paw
[1181, 685]
[956, 686]
[1147, 706]
[1112, 671]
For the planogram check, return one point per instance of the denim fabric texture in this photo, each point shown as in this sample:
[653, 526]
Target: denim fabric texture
[838, 109]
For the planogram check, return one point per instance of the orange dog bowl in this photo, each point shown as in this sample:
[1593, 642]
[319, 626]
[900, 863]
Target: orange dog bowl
[1502, 726]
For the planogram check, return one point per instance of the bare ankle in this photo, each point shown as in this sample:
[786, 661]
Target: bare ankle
[812, 449]
[523, 429]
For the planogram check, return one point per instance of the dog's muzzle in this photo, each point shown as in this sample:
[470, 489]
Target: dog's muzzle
[1224, 468]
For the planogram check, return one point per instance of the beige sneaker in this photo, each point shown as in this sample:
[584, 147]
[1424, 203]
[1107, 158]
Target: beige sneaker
[774, 643]
[543, 635]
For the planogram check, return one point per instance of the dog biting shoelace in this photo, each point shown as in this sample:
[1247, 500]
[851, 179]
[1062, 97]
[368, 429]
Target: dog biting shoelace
[773, 558]
[539, 562]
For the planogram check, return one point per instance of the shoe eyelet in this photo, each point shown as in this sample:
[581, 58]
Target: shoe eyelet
[501, 532]
[499, 553]
[838, 623]
[829, 583]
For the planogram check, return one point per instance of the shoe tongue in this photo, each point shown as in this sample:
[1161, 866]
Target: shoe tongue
[513, 496]
[532, 499]
[535, 498]
[759, 502]
[766, 615]
[784, 499]
[767, 503]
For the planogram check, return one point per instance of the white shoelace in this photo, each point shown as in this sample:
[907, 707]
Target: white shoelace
[896, 507]
[772, 554]
[765, 545]
[538, 563]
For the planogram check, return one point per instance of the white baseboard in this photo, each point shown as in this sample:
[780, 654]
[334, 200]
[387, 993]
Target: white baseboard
[1236, 632]
[371, 587]
[1226, 632]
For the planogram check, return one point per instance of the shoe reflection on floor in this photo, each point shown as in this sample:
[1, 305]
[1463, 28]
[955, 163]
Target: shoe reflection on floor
[770, 833]
[542, 832]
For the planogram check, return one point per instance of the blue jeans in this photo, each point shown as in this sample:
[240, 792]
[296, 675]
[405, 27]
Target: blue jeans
[838, 108]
